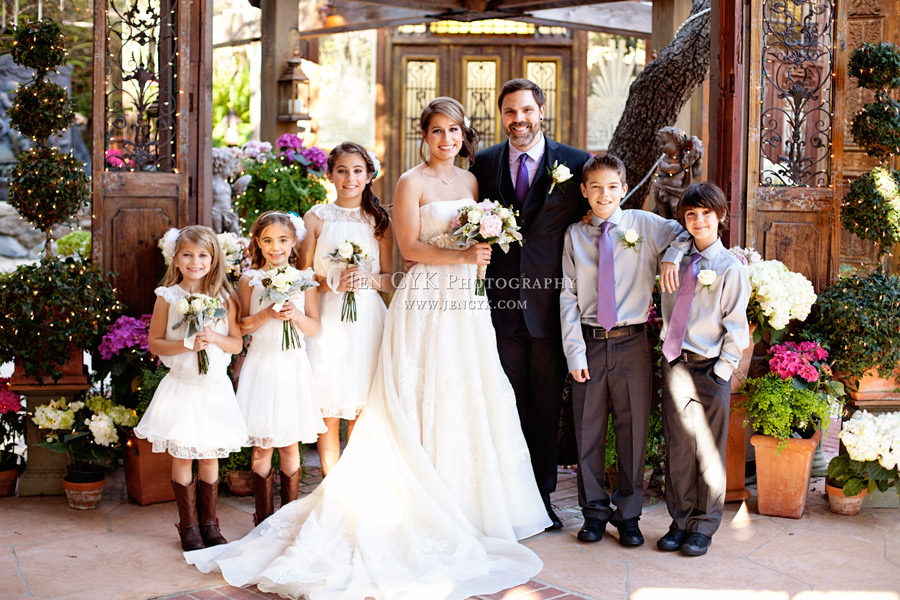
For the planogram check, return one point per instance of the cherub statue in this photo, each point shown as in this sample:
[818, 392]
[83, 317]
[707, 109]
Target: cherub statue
[224, 165]
[679, 166]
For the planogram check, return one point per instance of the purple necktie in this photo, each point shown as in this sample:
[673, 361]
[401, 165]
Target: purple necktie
[681, 311]
[606, 279]
[522, 179]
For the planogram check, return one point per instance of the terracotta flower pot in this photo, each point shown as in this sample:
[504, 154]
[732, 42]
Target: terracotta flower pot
[782, 480]
[844, 505]
[148, 474]
[84, 496]
[74, 375]
[8, 482]
[738, 379]
[873, 387]
[240, 483]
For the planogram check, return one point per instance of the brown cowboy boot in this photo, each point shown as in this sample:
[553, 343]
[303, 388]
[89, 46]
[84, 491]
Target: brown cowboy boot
[262, 493]
[206, 509]
[290, 487]
[186, 499]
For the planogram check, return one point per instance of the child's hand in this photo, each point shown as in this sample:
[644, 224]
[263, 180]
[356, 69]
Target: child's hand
[351, 279]
[586, 219]
[287, 312]
[580, 375]
[668, 277]
[203, 339]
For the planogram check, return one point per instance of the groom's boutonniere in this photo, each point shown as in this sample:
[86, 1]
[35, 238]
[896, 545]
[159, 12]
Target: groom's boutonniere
[631, 239]
[707, 277]
[559, 175]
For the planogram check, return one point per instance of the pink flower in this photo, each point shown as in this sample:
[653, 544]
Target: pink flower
[809, 373]
[491, 225]
[454, 223]
[10, 402]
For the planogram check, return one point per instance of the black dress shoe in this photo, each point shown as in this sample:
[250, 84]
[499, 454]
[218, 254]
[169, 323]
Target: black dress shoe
[629, 533]
[556, 523]
[672, 540]
[696, 544]
[592, 530]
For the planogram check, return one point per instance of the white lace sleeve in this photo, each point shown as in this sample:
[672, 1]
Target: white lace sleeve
[169, 294]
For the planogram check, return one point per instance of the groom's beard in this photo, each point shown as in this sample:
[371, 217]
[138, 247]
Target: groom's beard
[524, 139]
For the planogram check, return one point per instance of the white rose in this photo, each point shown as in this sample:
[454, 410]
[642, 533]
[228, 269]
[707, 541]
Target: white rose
[182, 306]
[197, 304]
[280, 280]
[706, 277]
[474, 217]
[562, 173]
[512, 222]
[503, 213]
[631, 236]
[345, 250]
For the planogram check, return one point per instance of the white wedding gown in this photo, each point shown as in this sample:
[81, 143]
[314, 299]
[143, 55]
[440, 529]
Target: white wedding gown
[435, 486]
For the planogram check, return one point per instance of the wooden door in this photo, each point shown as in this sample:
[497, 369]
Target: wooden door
[867, 21]
[472, 69]
[141, 184]
[794, 146]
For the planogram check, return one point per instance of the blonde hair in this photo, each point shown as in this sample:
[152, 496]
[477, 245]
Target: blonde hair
[257, 261]
[215, 283]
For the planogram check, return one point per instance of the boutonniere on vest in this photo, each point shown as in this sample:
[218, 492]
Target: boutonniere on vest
[559, 175]
[706, 277]
[631, 239]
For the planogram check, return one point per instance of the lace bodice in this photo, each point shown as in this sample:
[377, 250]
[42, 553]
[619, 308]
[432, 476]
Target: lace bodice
[435, 217]
[339, 225]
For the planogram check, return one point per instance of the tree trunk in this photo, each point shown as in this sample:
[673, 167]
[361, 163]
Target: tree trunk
[658, 95]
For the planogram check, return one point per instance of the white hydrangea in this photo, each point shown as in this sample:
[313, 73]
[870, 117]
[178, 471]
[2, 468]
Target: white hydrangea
[869, 437]
[49, 416]
[782, 294]
[103, 429]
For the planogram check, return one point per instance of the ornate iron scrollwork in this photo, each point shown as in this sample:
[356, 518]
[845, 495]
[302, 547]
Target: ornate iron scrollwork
[796, 103]
[141, 84]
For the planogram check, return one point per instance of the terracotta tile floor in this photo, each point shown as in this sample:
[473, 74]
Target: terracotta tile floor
[128, 552]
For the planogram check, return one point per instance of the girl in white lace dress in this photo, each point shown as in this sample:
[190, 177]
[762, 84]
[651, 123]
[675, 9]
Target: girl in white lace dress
[436, 485]
[194, 415]
[345, 353]
[276, 391]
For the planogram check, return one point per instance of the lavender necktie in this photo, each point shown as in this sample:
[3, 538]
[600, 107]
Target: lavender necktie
[522, 179]
[681, 311]
[606, 279]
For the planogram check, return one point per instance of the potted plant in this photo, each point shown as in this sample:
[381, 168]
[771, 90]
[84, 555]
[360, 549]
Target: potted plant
[147, 473]
[857, 318]
[12, 428]
[870, 463]
[86, 432]
[797, 394]
[291, 180]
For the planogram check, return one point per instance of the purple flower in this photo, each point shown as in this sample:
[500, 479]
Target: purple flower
[289, 141]
[316, 157]
[126, 332]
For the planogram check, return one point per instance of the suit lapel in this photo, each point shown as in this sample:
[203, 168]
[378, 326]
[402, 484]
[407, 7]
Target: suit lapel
[504, 179]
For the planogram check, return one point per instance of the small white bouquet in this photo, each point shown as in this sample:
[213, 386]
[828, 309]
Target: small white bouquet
[280, 285]
[197, 311]
[487, 222]
[347, 254]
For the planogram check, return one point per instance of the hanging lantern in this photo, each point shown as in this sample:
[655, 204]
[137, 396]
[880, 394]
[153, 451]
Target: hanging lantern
[293, 91]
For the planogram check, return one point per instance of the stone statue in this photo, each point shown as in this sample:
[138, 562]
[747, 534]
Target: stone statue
[677, 169]
[224, 166]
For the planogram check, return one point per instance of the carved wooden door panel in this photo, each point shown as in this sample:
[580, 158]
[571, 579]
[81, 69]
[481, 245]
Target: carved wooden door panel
[793, 150]
[867, 21]
[141, 142]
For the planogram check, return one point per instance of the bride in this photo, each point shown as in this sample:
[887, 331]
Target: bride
[436, 484]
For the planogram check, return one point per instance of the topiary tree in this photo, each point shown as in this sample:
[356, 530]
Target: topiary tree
[871, 209]
[47, 187]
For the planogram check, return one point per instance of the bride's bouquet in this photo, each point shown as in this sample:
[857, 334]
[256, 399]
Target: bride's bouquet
[487, 222]
[197, 311]
[279, 285]
[347, 254]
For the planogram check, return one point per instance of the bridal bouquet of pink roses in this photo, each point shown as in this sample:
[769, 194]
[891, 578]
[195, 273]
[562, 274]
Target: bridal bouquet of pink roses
[487, 222]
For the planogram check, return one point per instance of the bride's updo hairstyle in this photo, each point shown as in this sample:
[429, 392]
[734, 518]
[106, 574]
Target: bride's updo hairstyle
[454, 111]
[371, 205]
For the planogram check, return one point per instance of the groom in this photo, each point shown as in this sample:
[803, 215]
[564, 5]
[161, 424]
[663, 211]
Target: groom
[523, 286]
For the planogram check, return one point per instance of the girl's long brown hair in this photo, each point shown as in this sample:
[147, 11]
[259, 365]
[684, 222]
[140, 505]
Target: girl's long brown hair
[257, 261]
[215, 283]
[371, 205]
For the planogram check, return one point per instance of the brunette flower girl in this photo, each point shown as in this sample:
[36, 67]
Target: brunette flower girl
[275, 391]
[345, 352]
[193, 414]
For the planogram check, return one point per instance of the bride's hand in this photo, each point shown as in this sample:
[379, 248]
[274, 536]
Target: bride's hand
[479, 254]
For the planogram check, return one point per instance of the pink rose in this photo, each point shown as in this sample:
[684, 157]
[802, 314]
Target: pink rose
[491, 225]
[454, 223]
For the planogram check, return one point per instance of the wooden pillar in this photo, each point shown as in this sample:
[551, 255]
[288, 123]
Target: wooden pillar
[727, 114]
[201, 112]
[667, 17]
[279, 37]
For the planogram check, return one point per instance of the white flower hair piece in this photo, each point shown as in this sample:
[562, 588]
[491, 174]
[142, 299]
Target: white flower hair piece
[466, 122]
[375, 163]
[167, 244]
[299, 225]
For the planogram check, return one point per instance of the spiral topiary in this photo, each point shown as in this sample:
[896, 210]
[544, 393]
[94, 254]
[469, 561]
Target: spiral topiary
[39, 46]
[41, 109]
[48, 187]
[876, 128]
[876, 67]
[871, 209]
